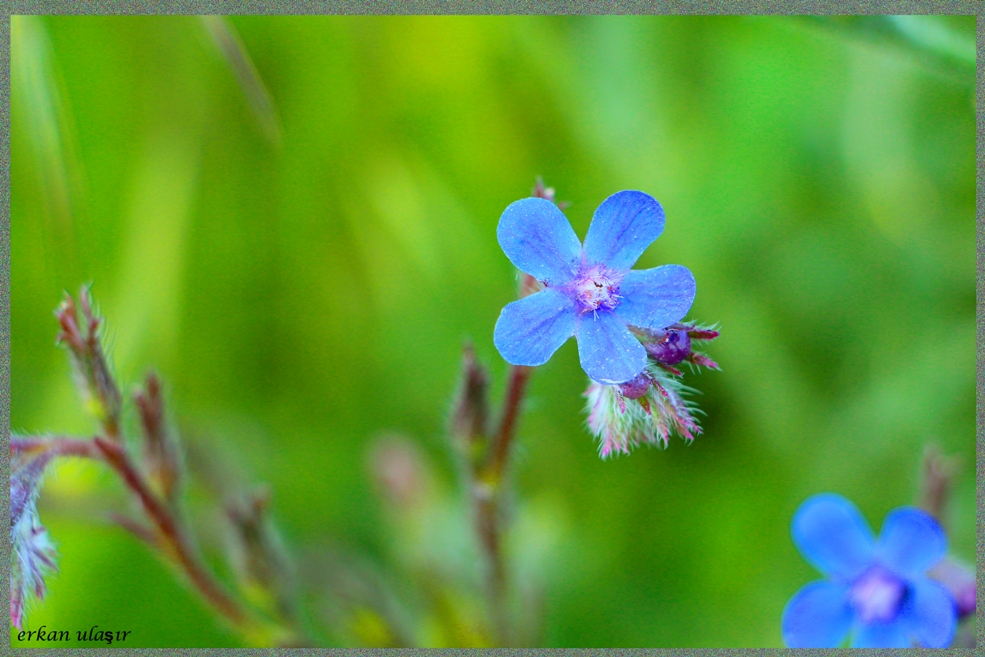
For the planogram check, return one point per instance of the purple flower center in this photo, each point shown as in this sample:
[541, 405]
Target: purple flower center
[877, 595]
[595, 287]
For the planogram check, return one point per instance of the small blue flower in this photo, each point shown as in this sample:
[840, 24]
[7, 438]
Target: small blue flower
[589, 292]
[877, 590]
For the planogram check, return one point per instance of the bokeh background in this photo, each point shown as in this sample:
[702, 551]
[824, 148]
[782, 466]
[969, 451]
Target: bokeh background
[300, 242]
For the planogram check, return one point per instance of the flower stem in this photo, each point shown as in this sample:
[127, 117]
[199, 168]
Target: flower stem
[487, 498]
[172, 533]
[58, 445]
[173, 537]
[516, 387]
[487, 518]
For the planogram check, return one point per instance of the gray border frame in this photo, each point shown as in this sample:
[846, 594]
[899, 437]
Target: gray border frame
[491, 7]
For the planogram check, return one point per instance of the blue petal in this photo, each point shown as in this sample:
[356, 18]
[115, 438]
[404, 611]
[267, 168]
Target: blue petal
[881, 635]
[911, 541]
[832, 535]
[817, 616]
[623, 226]
[530, 330]
[609, 352]
[928, 614]
[538, 239]
[656, 298]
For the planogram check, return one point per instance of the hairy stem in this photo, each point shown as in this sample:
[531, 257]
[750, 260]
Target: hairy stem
[57, 445]
[173, 537]
[172, 533]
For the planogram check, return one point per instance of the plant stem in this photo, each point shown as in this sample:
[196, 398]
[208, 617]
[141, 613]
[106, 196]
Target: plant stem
[515, 389]
[487, 497]
[112, 453]
[58, 445]
[487, 517]
[171, 532]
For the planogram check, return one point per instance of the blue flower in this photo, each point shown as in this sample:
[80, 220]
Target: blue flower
[877, 590]
[589, 291]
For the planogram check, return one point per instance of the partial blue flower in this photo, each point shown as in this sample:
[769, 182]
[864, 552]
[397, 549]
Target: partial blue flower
[877, 590]
[589, 290]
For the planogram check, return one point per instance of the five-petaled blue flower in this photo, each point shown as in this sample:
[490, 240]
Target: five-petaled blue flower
[589, 292]
[876, 589]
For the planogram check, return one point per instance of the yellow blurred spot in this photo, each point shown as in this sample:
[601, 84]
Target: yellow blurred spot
[370, 629]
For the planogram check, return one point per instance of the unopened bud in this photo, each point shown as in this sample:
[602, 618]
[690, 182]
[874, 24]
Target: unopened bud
[540, 191]
[92, 373]
[936, 481]
[670, 347]
[25, 481]
[261, 562]
[470, 411]
[637, 387]
[32, 553]
[621, 421]
[161, 457]
[959, 580]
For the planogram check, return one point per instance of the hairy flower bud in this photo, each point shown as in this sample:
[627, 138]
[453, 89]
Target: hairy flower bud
[92, 373]
[161, 456]
[470, 411]
[653, 409]
[32, 554]
[637, 387]
[25, 481]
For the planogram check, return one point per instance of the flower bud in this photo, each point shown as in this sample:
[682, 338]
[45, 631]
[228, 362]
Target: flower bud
[92, 373]
[959, 580]
[470, 411]
[670, 347]
[160, 450]
[260, 559]
[25, 481]
[32, 553]
[644, 411]
[637, 387]
[937, 481]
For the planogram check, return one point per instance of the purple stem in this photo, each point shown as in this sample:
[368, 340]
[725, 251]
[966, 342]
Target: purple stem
[172, 535]
[487, 485]
[57, 445]
[171, 532]
[516, 387]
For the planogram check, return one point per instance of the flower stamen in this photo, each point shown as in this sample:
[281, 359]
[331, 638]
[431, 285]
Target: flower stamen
[596, 288]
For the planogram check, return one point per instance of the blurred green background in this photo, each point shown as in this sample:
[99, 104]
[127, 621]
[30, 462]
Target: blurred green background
[302, 266]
